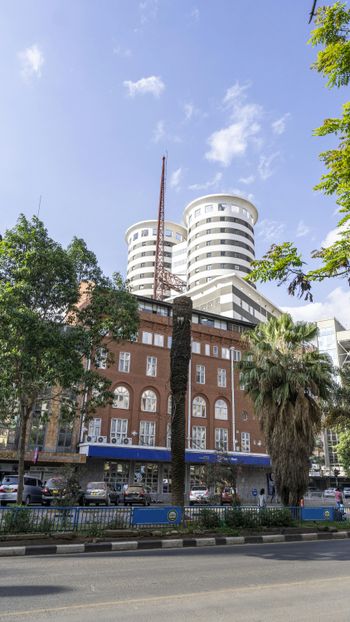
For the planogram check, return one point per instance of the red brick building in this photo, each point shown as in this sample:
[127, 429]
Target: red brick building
[130, 440]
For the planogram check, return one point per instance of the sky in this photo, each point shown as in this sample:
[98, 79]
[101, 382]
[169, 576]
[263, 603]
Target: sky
[94, 93]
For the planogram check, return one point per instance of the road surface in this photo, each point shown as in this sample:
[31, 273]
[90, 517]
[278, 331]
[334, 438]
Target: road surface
[296, 581]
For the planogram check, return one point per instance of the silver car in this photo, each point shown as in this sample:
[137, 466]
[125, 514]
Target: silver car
[32, 490]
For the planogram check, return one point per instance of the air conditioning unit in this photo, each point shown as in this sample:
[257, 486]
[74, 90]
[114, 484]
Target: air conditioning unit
[127, 441]
[114, 440]
[91, 439]
[102, 439]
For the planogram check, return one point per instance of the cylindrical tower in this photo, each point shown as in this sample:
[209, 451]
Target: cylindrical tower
[220, 237]
[141, 239]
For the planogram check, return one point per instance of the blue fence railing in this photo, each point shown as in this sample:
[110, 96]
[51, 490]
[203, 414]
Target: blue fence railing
[37, 519]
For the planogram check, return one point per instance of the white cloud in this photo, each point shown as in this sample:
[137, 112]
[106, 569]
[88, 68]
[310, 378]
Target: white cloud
[152, 84]
[119, 50]
[148, 10]
[207, 184]
[247, 180]
[32, 60]
[270, 230]
[337, 304]
[302, 229]
[333, 236]
[159, 132]
[265, 166]
[195, 14]
[279, 126]
[232, 141]
[175, 179]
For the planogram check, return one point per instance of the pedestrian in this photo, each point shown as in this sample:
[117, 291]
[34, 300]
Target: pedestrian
[338, 498]
[262, 499]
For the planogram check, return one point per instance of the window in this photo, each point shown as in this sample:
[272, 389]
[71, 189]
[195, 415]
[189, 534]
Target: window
[241, 382]
[215, 350]
[144, 233]
[119, 430]
[101, 358]
[95, 427]
[65, 433]
[169, 342]
[221, 207]
[245, 441]
[124, 362]
[221, 377]
[149, 401]
[207, 349]
[197, 212]
[169, 404]
[168, 435]
[199, 407]
[178, 237]
[151, 366]
[168, 233]
[221, 439]
[38, 426]
[135, 236]
[199, 437]
[244, 415]
[121, 398]
[225, 353]
[221, 410]
[196, 347]
[159, 340]
[200, 374]
[237, 355]
[147, 434]
[208, 209]
[147, 338]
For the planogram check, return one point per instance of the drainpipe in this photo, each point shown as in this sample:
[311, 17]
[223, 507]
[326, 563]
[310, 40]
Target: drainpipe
[189, 405]
[232, 350]
[85, 397]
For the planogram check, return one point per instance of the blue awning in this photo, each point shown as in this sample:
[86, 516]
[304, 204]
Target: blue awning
[151, 454]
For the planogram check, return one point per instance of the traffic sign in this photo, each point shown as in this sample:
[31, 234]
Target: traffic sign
[254, 492]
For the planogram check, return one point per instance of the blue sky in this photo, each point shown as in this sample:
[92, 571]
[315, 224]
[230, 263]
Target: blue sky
[93, 94]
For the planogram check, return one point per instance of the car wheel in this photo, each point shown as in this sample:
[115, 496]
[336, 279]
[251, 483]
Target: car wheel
[27, 500]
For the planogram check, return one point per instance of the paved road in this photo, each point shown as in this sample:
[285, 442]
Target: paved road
[255, 583]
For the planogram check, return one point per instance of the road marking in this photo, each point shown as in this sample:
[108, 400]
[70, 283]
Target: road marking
[158, 599]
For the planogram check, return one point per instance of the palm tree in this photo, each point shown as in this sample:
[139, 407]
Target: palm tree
[287, 379]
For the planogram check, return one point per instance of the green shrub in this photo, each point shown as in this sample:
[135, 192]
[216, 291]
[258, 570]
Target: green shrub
[94, 530]
[46, 525]
[275, 517]
[17, 520]
[209, 519]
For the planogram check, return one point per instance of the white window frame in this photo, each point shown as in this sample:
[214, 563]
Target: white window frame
[241, 383]
[221, 410]
[199, 437]
[225, 353]
[124, 362]
[151, 366]
[215, 350]
[200, 374]
[95, 427]
[221, 439]
[169, 404]
[199, 407]
[158, 340]
[168, 435]
[222, 377]
[147, 434]
[149, 401]
[101, 358]
[207, 349]
[245, 442]
[119, 430]
[147, 338]
[196, 347]
[121, 398]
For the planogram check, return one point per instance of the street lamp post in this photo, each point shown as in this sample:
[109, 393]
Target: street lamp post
[233, 408]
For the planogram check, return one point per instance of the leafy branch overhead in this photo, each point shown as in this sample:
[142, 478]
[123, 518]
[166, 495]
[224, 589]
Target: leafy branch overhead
[283, 263]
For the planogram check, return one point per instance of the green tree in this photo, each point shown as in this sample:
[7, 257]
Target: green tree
[343, 450]
[286, 379]
[180, 356]
[337, 411]
[57, 312]
[283, 262]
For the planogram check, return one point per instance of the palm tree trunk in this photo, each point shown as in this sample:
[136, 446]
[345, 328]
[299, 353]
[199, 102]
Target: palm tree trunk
[179, 360]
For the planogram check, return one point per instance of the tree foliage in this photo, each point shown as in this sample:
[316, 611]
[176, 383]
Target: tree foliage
[287, 378]
[56, 310]
[343, 450]
[283, 262]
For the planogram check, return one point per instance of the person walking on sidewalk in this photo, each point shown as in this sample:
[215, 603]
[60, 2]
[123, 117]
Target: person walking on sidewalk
[338, 498]
[262, 499]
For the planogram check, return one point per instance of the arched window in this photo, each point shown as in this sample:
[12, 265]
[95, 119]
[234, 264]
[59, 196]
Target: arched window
[221, 409]
[199, 407]
[149, 401]
[170, 403]
[121, 398]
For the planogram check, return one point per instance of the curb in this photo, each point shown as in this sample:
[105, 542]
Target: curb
[142, 545]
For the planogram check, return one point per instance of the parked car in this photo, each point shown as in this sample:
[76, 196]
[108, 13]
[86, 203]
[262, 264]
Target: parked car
[32, 490]
[329, 492]
[199, 494]
[100, 493]
[137, 494]
[346, 493]
[227, 495]
[54, 490]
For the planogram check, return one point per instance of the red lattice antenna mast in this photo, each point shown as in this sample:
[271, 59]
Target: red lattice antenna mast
[158, 287]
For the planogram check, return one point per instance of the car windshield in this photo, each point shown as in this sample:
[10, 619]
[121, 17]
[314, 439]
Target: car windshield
[199, 488]
[99, 485]
[10, 479]
[55, 483]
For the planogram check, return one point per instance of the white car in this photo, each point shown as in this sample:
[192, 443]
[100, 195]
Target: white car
[329, 492]
[346, 493]
[199, 494]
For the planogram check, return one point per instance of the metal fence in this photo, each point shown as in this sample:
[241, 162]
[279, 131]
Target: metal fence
[93, 520]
